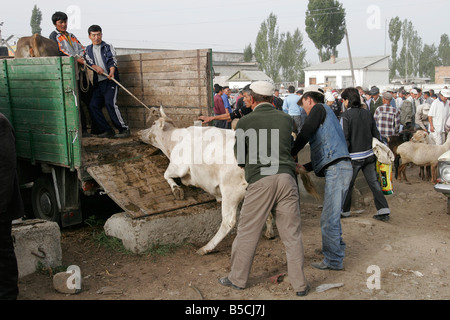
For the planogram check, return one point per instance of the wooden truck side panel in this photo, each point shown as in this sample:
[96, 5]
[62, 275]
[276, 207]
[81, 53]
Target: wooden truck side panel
[38, 95]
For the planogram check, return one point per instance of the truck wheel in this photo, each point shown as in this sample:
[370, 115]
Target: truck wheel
[43, 197]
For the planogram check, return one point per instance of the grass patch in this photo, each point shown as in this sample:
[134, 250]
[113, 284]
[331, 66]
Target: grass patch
[110, 243]
[50, 271]
[94, 221]
[161, 250]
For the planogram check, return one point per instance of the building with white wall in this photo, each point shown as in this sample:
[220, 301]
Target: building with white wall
[337, 72]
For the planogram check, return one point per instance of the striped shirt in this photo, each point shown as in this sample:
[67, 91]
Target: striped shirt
[387, 119]
[68, 44]
[361, 155]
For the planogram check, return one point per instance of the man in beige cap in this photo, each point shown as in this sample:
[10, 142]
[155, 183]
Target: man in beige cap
[272, 187]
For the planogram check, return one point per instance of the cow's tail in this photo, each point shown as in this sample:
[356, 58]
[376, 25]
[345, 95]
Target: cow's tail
[35, 45]
[307, 183]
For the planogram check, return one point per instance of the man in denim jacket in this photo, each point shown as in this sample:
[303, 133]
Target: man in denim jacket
[329, 159]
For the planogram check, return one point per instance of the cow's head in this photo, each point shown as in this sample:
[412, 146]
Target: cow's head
[159, 132]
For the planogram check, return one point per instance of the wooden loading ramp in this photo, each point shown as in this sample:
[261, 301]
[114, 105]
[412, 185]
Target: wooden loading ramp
[132, 174]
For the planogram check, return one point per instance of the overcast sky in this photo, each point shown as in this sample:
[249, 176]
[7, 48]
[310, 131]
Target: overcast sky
[224, 25]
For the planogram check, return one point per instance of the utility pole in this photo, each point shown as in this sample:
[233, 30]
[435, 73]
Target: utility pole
[385, 36]
[406, 63]
[350, 57]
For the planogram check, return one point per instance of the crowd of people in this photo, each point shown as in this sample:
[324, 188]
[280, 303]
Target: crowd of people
[339, 126]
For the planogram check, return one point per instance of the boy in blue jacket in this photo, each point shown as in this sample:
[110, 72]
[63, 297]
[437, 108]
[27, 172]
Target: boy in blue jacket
[102, 58]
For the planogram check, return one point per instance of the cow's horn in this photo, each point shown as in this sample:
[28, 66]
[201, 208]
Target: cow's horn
[163, 114]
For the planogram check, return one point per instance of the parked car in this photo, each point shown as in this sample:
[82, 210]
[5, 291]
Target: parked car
[443, 184]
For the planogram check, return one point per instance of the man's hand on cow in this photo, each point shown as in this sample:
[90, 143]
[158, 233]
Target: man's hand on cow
[205, 119]
[299, 168]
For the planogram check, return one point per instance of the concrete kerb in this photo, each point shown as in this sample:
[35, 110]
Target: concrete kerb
[36, 243]
[196, 224]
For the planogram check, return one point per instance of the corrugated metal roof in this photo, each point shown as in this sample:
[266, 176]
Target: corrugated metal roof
[344, 63]
[249, 75]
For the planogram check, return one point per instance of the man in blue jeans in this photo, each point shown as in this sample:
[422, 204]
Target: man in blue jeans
[291, 107]
[329, 159]
[359, 129]
[102, 58]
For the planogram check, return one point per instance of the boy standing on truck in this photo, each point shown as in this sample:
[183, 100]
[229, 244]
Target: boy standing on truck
[102, 58]
[69, 45]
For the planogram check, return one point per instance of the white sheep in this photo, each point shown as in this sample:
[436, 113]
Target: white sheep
[421, 154]
[422, 136]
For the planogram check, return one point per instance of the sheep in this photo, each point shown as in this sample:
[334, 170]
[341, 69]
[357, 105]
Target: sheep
[421, 154]
[422, 136]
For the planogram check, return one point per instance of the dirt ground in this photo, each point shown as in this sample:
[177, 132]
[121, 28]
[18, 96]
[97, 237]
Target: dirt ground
[411, 251]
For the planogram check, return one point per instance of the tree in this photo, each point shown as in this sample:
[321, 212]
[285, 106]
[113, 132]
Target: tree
[408, 62]
[36, 18]
[248, 53]
[428, 61]
[325, 26]
[292, 58]
[267, 47]
[395, 31]
[444, 50]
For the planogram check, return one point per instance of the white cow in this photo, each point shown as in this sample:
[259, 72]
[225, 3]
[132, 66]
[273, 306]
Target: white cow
[203, 157]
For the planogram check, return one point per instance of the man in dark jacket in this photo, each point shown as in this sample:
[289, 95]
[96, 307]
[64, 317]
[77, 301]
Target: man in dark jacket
[359, 129]
[102, 58]
[11, 208]
[329, 159]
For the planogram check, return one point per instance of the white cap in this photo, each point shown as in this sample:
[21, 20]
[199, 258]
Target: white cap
[329, 96]
[263, 88]
[313, 88]
[445, 93]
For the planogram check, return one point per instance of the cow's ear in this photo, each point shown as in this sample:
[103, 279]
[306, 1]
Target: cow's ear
[162, 123]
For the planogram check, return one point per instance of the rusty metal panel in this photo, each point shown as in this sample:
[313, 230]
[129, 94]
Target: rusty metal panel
[134, 179]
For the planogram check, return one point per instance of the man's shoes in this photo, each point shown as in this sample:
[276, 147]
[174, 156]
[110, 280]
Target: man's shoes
[226, 282]
[323, 266]
[86, 134]
[303, 293]
[382, 217]
[106, 134]
[123, 134]
[345, 214]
